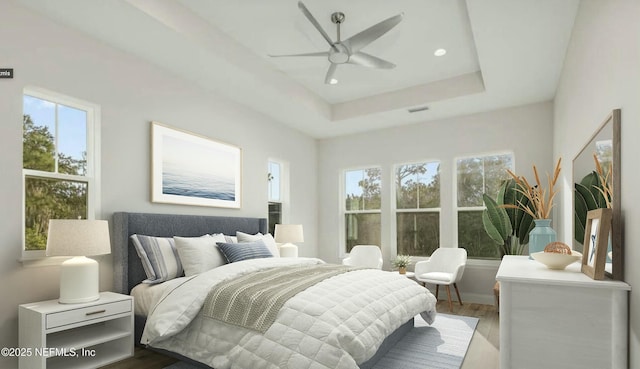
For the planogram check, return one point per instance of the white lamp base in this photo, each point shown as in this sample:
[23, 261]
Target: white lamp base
[288, 250]
[79, 278]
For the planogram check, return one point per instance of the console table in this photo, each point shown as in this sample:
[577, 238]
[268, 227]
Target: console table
[560, 318]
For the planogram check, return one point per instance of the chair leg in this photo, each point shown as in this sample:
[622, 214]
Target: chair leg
[437, 289]
[449, 297]
[457, 293]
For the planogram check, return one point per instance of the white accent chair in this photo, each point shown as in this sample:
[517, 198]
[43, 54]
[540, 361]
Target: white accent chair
[367, 256]
[445, 266]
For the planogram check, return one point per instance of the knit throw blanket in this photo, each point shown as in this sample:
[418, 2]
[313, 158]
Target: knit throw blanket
[253, 301]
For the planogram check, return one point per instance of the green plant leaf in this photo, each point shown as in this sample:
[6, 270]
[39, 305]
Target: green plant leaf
[491, 230]
[497, 216]
[592, 182]
[587, 195]
[508, 196]
[580, 216]
[526, 225]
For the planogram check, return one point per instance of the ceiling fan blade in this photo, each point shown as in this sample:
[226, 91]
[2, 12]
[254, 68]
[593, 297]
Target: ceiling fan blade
[321, 53]
[329, 77]
[370, 61]
[364, 38]
[315, 23]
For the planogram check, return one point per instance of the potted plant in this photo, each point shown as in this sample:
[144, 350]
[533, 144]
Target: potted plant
[401, 262]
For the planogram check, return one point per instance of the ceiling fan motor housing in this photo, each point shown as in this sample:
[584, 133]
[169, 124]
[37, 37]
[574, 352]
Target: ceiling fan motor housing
[339, 54]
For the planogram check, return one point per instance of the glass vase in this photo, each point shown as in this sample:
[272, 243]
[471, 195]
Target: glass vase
[540, 236]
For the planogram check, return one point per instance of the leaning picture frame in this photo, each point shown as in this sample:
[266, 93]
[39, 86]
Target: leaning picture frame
[596, 239]
[190, 169]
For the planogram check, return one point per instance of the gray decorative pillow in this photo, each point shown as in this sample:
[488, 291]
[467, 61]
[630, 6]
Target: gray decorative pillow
[234, 252]
[159, 258]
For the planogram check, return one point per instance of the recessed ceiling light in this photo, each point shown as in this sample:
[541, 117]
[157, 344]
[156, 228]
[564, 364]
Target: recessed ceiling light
[440, 52]
[333, 81]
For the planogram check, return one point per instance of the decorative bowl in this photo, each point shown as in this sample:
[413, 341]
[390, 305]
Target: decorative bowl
[556, 261]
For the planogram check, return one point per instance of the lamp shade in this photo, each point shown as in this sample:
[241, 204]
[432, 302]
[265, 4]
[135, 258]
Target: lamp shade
[78, 237]
[287, 233]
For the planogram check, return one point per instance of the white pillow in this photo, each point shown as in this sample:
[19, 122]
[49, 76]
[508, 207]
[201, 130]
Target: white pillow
[199, 254]
[267, 238]
[231, 239]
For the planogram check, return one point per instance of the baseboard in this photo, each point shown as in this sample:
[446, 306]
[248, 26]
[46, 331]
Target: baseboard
[476, 298]
[479, 298]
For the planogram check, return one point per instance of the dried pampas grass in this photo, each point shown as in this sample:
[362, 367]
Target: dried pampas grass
[540, 199]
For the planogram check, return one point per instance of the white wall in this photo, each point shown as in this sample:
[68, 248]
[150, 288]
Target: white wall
[602, 72]
[131, 93]
[525, 130]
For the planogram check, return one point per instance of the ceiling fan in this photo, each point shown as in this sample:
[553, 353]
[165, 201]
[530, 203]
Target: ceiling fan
[348, 51]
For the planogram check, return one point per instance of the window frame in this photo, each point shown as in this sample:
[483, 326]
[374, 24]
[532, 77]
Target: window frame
[342, 233]
[283, 188]
[456, 209]
[92, 175]
[395, 210]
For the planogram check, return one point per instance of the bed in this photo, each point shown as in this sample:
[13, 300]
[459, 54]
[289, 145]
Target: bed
[183, 333]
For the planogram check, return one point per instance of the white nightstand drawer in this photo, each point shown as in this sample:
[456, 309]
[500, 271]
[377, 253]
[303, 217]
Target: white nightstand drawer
[87, 313]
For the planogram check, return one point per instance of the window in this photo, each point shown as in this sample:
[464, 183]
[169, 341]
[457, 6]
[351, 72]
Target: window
[362, 207]
[274, 177]
[59, 163]
[475, 176]
[417, 208]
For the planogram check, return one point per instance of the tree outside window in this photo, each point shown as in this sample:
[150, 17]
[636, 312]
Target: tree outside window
[475, 176]
[362, 207]
[417, 208]
[57, 170]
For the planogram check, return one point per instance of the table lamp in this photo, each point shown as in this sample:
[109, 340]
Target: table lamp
[286, 234]
[79, 276]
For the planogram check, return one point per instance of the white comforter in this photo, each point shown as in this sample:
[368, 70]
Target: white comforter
[338, 323]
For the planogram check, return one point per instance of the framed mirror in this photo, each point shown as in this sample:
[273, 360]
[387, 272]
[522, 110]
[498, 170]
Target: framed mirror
[596, 183]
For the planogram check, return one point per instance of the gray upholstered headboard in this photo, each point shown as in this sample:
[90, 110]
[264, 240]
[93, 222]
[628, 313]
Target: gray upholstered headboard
[128, 270]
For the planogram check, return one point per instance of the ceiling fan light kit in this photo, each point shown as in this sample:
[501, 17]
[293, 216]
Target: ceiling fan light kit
[348, 51]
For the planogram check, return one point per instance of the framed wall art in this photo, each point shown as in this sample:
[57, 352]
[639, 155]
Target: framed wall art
[596, 242]
[190, 169]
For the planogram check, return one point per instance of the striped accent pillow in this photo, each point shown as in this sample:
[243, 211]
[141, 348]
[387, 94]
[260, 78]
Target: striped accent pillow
[244, 251]
[159, 258]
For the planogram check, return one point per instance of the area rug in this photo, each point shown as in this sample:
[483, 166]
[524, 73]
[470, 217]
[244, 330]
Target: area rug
[442, 345]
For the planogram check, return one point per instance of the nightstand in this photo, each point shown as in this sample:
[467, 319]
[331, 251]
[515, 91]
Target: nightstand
[86, 335]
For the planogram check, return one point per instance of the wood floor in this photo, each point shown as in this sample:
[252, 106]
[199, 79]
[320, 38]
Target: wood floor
[483, 352]
[143, 359]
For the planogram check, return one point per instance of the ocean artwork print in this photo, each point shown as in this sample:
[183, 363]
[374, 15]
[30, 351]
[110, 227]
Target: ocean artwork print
[194, 170]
